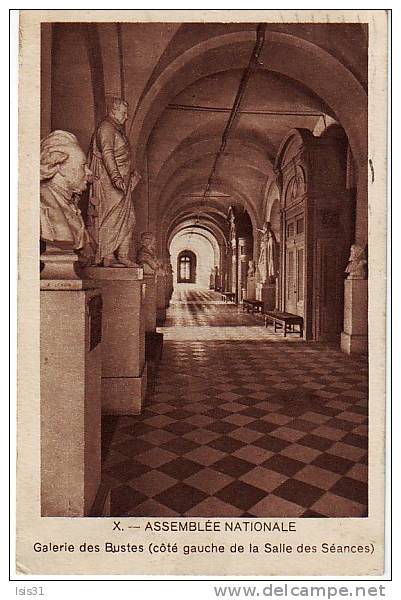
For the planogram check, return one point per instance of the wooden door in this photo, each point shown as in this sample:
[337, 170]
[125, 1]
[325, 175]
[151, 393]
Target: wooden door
[295, 266]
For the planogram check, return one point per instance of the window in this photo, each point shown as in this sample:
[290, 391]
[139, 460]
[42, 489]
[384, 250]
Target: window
[186, 267]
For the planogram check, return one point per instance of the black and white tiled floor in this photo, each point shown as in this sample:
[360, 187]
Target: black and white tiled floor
[241, 424]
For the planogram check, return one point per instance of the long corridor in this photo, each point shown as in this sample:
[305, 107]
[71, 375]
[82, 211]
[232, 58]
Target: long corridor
[241, 423]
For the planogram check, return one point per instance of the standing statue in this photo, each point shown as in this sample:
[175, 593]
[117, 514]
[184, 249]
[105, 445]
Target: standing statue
[216, 279]
[63, 177]
[111, 215]
[272, 256]
[211, 280]
[357, 263]
[147, 257]
[268, 264]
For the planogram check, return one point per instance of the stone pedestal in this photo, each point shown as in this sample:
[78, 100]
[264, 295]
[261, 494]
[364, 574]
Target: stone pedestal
[266, 293]
[169, 289]
[150, 302]
[354, 338]
[124, 373]
[251, 288]
[161, 286]
[70, 409]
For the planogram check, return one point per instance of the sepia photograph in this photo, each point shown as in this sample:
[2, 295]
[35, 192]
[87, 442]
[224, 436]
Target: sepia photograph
[203, 261]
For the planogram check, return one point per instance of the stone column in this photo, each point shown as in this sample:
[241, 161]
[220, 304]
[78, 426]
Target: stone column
[354, 338]
[70, 358]
[124, 371]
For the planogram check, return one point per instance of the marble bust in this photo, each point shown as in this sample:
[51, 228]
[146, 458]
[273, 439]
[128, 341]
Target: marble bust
[63, 177]
[147, 257]
[251, 269]
[357, 263]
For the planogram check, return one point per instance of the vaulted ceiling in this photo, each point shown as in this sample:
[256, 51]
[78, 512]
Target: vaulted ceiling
[182, 80]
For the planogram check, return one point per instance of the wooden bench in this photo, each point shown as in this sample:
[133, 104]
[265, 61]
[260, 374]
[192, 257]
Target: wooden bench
[285, 321]
[252, 306]
[228, 296]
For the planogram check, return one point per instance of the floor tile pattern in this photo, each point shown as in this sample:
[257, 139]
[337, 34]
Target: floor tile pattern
[241, 423]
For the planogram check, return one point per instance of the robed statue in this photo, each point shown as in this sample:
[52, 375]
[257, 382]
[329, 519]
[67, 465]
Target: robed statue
[268, 264]
[111, 214]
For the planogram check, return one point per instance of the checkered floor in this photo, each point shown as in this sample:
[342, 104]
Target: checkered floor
[241, 423]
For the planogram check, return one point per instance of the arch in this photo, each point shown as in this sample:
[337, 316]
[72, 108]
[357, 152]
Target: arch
[224, 187]
[295, 137]
[272, 196]
[202, 232]
[305, 62]
[274, 218]
[204, 250]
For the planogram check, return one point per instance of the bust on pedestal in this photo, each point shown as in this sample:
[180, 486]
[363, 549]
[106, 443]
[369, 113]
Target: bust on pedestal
[70, 337]
[251, 281]
[155, 278]
[354, 338]
[211, 280]
[155, 281]
[169, 282]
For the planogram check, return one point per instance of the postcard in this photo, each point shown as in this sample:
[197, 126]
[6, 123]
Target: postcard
[201, 310]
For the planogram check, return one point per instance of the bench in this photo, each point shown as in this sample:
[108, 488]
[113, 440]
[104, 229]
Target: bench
[228, 296]
[252, 306]
[285, 321]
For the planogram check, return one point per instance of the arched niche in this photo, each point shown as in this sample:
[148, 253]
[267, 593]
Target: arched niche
[186, 267]
[202, 247]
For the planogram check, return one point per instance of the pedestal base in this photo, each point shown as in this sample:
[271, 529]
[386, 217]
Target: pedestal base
[161, 286]
[251, 289]
[354, 338]
[266, 293]
[124, 376]
[150, 304]
[124, 395]
[70, 410]
[354, 344]
[154, 347]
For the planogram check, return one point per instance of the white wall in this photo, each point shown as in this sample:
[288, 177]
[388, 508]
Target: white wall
[204, 252]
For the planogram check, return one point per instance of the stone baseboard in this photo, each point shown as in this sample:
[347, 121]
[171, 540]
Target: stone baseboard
[354, 344]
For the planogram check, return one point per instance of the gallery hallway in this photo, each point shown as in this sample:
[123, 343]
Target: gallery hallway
[241, 423]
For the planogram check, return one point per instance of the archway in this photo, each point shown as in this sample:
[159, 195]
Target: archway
[194, 257]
